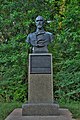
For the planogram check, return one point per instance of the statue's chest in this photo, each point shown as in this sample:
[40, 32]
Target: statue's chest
[39, 39]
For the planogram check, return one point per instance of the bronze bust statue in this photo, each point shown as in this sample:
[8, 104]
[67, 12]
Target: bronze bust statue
[40, 39]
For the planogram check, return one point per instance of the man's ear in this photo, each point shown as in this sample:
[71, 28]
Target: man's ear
[43, 22]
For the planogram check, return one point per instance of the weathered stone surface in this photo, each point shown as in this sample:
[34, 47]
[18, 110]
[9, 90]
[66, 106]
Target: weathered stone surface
[40, 88]
[40, 109]
[17, 115]
[65, 112]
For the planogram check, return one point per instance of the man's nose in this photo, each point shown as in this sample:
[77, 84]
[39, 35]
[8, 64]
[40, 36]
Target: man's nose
[39, 21]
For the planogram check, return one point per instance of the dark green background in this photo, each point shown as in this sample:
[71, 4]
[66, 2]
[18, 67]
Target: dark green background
[17, 20]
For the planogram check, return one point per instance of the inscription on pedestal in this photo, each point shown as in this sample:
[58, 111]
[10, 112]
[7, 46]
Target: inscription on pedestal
[40, 64]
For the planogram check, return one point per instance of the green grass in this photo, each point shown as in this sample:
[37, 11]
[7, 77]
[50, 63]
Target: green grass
[7, 108]
[73, 106]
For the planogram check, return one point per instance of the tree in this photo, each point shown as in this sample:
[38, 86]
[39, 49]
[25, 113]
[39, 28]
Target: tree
[17, 21]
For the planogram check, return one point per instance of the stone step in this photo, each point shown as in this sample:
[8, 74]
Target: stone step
[17, 115]
[40, 109]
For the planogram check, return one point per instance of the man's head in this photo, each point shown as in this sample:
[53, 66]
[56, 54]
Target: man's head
[39, 22]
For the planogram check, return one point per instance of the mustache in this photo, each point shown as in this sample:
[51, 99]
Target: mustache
[39, 24]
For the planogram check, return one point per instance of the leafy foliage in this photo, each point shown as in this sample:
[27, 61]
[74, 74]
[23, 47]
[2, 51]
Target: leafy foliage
[13, 71]
[17, 20]
[7, 108]
[67, 67]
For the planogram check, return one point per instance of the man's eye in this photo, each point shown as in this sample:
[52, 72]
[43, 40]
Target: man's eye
[38, 20]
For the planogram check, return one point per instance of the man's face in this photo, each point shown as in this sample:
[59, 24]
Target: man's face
[39, 22]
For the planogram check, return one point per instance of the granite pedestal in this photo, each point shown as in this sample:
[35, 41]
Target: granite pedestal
[40, 104]
[40, 86]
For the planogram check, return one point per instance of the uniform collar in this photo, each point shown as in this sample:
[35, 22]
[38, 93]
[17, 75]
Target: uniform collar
[40, 32]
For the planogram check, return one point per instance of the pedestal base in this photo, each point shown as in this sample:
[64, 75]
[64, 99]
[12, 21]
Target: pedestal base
[17, 115]
[40, 109]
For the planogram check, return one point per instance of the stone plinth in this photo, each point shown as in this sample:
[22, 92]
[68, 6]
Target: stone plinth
[40, 79]
[40, 109]
[40, 86]
[40, 104]
[17, 115]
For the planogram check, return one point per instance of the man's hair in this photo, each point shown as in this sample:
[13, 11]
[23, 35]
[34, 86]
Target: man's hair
[39, 17]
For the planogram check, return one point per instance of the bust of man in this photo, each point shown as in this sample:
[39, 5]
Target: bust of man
[40, 39]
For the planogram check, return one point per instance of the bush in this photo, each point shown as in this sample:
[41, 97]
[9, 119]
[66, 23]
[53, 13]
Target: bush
[14, 62]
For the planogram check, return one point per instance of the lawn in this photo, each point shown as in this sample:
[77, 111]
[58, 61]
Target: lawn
[73, 106]
[6, 108]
